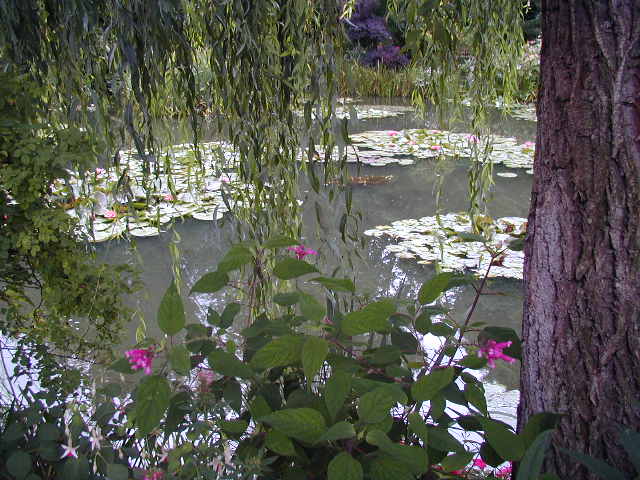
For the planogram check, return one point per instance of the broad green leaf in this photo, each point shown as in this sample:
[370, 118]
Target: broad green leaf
[475, 396]
[516, 245]
[405, 341]
[229, 313]
[433, 288]
[531, 463]
[386, 468]
[279, 241]
[339, 431]
[456, 461]
[374, 406]
[344, 467]
[171, 317]
[336, 392]
[234, 427]
[232, 394]
[259, 407]
[440, 439]
[180, 359]
[314, 353]
[210, 282]
[19, 464]
[280, 352]
[415, 458]
[537, 424]
[429, 385]
[506, 443]
[292, 268]
[279, 443]
[304, 424]
[418, 426]
[286, 299]
[152, 400]
[236, 257]
[228, 365]
[76, 468]
[117, 471]
[311, 308]
[122, 365]
[336, 284]
[372, 318]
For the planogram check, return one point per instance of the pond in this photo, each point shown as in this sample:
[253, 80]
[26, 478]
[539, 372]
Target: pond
[396, 192]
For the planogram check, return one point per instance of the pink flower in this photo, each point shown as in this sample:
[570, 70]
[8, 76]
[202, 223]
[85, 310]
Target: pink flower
[110, 214]
[168, 197]
[393, 133]
[472, 138]
[69, 451]
[205, 378]
[504, 472]
[436, 147]
[302, 252]
[480, 463]
[492, 350]
[529, 144]
[100, 171]
[140, 359]
[157, 475]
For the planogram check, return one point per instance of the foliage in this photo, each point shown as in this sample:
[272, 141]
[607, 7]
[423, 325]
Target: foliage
[344, 390]
[355, 80]
[48, 280]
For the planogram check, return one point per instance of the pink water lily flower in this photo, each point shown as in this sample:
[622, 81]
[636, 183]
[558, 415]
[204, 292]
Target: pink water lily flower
[529, 144]
[140, 359]
[393, 133]
[472, 138]
[301, 251]
[110, 214]
[436, 147]
[492, 351]
[100, 171]
[168, 197]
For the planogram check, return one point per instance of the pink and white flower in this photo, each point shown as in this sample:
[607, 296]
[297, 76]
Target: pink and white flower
[140, 359]
[110, 214]
[492, 351]
[301, 251]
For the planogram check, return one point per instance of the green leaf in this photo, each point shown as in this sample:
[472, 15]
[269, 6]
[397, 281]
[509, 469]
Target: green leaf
[292, 268]
[279, 241]
[229, 313]
[19, 464]
[311, 308]
[286, 299]
[506, 443]
[456, 461]
[516, 245]
[344, 467]
[232, 394]
[280, 352]
[336, 284]
[531, 463]
[259, 407]
[76, 468]
[236, 257]
[470, 237]
[279, 443]
[152, 400]
[304, 424]
[210, 283]
[234, 427]
[387, 468]
[372, 318]
[228, 365]
[374, 406]
[537, 424]
[314, 353]
[440, 439]
[336, 392]
[429, 385]
[475, 396]
[419, 427]
[339, 431]
[415, 458]
[597, 466]
[434, 287]
[117, 471]
[180, 359]
[171, 317]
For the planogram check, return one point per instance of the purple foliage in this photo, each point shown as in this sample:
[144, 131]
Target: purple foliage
[364, 9]
[388, 55]
[373, 29]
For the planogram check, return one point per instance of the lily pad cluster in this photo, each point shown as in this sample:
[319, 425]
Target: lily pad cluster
[383, 147]
[448, 239]
[109, 203]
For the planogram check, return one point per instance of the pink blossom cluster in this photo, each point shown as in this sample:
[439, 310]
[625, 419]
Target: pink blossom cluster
[302, 252]
[492, 351]
[140, 359]
[110, 214]
[157, 475]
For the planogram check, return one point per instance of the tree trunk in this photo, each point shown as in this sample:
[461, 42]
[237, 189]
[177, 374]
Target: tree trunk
[581, 324]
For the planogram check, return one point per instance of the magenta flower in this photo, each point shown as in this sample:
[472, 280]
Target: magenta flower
[436, 147]
[157, 475]
[100, 171]
[492, 350]
[504, 472]
[393, 133]
[302, 252]
[480, 463]
[140, 359]
[529, 144]
[110, 214]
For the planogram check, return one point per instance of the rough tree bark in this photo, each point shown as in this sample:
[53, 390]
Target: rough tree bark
[581, 324]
